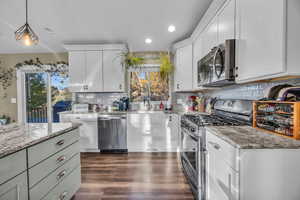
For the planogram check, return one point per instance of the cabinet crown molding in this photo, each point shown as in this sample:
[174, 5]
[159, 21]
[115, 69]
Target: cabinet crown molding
[95, 47]
[181, 44]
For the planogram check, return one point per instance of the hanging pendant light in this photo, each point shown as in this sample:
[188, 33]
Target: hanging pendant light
[25, 32]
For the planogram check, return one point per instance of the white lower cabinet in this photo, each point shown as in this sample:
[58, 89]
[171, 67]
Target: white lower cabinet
[152, 132]
[15, 189]
[254, 174]
[88, 129]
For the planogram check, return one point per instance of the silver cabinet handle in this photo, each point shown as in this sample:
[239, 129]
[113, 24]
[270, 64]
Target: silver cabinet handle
[170, 118]
[61, 174]
[215, 145]
[229, 186]
[61, 158]
[60, 142]
[120, 86]
[178, 86]
[85, 87]
[63, 195]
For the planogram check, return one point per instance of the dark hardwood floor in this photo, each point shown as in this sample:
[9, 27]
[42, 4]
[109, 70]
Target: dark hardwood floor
[132, 176]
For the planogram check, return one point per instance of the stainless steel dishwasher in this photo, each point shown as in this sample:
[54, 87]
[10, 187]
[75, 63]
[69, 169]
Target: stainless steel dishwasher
[112, 133]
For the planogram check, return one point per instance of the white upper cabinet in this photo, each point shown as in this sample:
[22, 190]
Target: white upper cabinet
[197, 55]
[114, 73]
[261, 38]
[210, 36]
[268, 39]
[183, 75]
[96, 68]
[220, 28]
[226, 22]
[94, 71]
[85, 71]
[77, 71]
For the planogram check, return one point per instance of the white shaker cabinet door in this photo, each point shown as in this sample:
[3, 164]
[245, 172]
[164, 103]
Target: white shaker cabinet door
[197, 55]
[222, 180]
[113, 71]
[260, 39]
[226, 22]
[77, 71]
[94, 71]
[184, 69]
[15, 189]
[89, 136]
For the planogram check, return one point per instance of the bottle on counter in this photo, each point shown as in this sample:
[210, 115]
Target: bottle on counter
[161, 106]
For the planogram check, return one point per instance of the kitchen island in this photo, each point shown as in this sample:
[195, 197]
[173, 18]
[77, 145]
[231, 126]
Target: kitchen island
[38, 163]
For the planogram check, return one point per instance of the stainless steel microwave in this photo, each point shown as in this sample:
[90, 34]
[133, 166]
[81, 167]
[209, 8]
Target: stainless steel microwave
[217, 68]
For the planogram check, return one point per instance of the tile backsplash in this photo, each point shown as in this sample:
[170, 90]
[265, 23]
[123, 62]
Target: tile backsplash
[250, 91]
[98, 98]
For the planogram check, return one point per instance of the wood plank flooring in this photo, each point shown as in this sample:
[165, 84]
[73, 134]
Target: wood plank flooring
[132, 176]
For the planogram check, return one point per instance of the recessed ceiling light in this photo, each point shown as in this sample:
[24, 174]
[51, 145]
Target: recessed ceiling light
[148, 41]
[171, 28]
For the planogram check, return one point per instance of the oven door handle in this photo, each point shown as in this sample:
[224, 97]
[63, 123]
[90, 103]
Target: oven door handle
[218, 51]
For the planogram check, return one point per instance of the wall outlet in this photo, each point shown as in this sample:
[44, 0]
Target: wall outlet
[13, 100]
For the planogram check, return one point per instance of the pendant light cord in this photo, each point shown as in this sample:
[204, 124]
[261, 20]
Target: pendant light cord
[26, 12]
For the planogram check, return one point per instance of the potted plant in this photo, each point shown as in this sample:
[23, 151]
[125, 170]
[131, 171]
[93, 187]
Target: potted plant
[166, 66]
[129, 60]
[4, 119]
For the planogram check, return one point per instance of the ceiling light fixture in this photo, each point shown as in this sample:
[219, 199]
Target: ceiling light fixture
[148, 41]
[171, 28]
[25, 32]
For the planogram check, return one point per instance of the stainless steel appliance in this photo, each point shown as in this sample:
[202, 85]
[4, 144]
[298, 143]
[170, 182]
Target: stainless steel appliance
[112, 133]
[193, 136]
[217, 68]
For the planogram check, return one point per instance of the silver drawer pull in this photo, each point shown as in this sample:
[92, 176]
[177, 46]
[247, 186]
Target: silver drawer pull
[215, 145]
[63, 195]
[60, 142]
[61, 174]
[61, 158]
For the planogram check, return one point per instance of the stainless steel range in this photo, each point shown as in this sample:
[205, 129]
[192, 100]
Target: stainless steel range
[192, 147]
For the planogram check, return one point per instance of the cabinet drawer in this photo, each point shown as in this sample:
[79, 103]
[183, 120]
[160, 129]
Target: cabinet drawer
[43, 150]
[12, 165]
[223, 150]
[15, 189]
[67, 188]
[41, 170]
[44, 186]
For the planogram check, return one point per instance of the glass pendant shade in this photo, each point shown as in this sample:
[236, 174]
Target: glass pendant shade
[25, 32]
[26, 35]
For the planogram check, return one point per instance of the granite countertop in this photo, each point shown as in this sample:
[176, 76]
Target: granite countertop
[16, 137]
[247, 137]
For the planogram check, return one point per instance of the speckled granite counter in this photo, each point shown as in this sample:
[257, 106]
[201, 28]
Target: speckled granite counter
[16, 137]
[246, 137]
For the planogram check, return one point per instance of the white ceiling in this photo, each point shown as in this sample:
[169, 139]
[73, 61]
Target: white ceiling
[99, 21]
